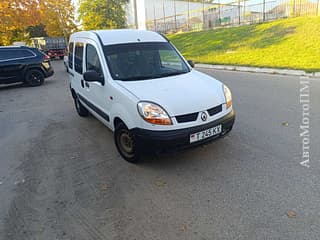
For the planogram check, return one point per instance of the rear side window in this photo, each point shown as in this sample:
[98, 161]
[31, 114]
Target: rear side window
[78, 58]
[92, 59]
[4, 54]
[26, 53]
[70, 57]
[11, 54]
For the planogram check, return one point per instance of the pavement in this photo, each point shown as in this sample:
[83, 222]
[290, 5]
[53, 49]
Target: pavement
[61, 177]
[277, 71]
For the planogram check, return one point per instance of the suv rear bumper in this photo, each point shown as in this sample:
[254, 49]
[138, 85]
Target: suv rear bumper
[49, 72]
[147, 140]
[47, 69]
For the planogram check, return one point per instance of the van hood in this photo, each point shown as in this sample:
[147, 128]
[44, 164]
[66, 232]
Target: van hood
[181, 94]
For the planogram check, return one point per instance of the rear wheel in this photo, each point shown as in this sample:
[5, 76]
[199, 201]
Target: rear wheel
[125, 143]
[81, 110]
[34, 78]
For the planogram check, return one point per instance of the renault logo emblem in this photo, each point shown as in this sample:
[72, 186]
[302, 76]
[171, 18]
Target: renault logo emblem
[203, 116]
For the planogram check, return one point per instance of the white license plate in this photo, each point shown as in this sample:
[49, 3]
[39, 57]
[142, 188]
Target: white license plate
[195, 137]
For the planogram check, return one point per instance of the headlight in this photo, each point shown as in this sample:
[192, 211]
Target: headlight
[228, 96]
[153, 113]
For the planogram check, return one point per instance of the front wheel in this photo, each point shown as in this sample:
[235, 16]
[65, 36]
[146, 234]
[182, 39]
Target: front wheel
[125, 143]
[34, 78]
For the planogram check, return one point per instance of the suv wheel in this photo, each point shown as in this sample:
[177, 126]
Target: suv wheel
[81, 110]
[34, 78]
[125, 143]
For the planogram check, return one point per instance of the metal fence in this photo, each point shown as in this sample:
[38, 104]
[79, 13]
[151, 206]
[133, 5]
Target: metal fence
[232, 14]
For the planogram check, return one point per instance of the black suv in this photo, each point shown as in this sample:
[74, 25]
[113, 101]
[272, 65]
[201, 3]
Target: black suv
[24, 64]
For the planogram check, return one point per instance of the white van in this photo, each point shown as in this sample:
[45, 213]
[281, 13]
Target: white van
[139, 85]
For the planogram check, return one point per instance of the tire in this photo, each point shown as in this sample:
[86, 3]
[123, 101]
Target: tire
[34, 78]
[81, 110]
[125, 143]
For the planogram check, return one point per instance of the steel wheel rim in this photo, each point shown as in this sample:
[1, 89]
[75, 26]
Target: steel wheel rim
[126, 144]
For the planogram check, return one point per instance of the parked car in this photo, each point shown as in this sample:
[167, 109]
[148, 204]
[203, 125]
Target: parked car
[139, 85]
[24, 64]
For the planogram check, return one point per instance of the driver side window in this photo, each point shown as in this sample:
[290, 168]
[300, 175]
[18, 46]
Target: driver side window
[92, 60]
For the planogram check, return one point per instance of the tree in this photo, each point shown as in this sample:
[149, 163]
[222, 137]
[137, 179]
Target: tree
[37, 31]
[102, 14]
[14, 16]
[58, 17]
[21, 19]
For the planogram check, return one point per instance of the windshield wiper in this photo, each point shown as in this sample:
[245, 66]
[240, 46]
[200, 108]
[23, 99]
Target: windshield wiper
[134, 78]
[173, 73]
[142, 77]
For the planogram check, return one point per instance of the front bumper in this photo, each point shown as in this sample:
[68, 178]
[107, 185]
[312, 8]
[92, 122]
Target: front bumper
[147, 140]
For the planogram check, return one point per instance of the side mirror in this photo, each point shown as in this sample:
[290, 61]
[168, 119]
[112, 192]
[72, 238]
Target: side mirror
[191, 63]
[93, 76]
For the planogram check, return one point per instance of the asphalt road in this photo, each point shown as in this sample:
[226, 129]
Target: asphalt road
[62, 178]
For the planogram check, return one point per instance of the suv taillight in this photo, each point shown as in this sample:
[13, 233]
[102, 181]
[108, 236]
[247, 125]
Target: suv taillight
[46, 57]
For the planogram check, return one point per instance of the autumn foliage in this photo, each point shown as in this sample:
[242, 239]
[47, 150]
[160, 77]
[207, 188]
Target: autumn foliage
[102, 14]
[16, 16]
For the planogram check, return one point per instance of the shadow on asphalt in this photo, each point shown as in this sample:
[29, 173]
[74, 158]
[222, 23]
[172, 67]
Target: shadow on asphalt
[12, 86]
[6, 87]
[181, 157]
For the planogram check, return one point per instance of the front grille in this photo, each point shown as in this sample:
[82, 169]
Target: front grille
[215, 110]
[187, 117]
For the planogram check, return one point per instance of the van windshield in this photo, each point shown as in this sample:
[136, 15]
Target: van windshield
[141, 61]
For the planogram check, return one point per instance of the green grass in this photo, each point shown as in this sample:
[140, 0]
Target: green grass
[290, 43]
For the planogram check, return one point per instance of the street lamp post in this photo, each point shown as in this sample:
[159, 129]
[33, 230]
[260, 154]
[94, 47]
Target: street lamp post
[135, 14]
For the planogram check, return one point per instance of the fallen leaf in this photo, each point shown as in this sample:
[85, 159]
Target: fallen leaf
[291, 214]
[19, 182]
[104, 187]
[160, 183]
[184, 227]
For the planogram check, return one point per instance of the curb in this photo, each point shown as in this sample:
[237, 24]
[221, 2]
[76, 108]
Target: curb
[259, 70]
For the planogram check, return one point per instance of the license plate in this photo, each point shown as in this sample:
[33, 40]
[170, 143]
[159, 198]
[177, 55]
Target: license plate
[195, 137]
